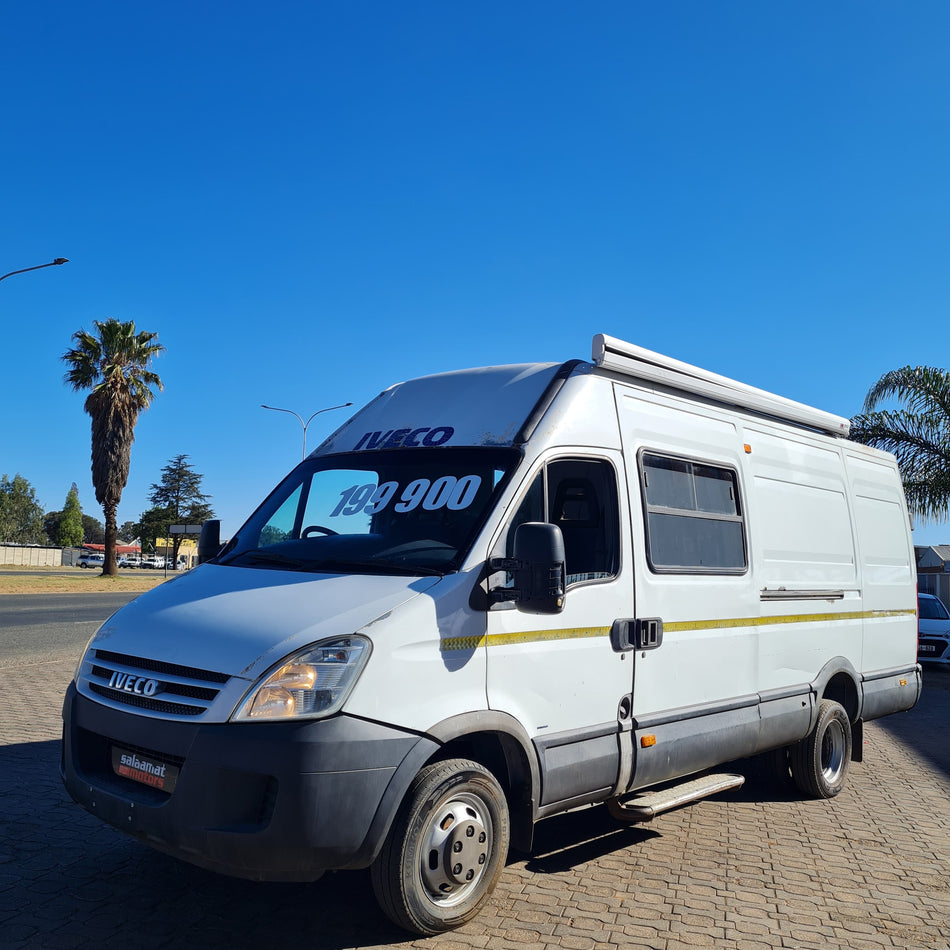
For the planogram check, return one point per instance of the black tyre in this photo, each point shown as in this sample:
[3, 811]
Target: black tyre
[446, 849]
[819, 763]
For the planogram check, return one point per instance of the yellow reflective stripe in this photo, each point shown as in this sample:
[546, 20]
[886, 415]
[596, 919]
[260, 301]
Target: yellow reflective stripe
[581, 633]
[684, 625]
[538, 636]
[523, 636]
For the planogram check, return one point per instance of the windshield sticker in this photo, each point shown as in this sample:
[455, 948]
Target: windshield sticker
[406, 438]
[450, 492]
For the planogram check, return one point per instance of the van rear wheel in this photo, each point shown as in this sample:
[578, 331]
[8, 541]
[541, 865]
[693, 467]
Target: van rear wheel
[820, 761]
[446, 849]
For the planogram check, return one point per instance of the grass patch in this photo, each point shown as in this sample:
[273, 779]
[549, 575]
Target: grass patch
[74, 580]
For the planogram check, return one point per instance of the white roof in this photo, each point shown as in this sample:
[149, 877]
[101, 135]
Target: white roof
[487, 406]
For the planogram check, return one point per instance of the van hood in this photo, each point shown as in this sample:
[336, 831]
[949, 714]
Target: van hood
[240, 621]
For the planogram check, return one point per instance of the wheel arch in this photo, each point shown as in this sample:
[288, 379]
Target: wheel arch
[497, 741]
[839, 681]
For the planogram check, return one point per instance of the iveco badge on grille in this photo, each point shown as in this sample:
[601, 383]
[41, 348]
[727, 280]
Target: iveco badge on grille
[130, 683]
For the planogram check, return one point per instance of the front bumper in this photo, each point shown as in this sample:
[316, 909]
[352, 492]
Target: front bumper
[265, 801]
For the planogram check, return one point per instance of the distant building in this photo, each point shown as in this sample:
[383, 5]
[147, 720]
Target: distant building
[120, 549]
[187, 552]
[933, 570]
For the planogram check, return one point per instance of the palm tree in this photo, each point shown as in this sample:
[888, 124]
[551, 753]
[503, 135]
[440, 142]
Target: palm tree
[113, 364]
[918, 434]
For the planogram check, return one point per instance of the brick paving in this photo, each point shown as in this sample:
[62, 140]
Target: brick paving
[749, 870]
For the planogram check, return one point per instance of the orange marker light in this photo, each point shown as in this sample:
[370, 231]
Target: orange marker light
[647, 741]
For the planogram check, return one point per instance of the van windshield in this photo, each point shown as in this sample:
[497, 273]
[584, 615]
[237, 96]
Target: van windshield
[414, 511]
[932, 609]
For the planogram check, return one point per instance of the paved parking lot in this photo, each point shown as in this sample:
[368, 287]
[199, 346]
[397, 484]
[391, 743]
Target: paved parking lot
[748, 870]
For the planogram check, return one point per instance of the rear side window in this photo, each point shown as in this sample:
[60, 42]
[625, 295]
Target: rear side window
[694, 520]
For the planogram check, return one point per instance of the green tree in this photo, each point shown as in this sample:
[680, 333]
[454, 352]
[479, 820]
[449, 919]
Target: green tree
[69, 531]
[126, 532]
[21, 515]
[153, 524]
[93, 530]
[113, 364]
[917, 433]
[51, 523]
[179, 492]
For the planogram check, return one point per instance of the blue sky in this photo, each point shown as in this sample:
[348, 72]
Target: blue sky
[309, 201]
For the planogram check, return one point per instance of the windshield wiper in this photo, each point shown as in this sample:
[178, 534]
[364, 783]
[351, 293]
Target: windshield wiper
[373, 564]
[268, 557]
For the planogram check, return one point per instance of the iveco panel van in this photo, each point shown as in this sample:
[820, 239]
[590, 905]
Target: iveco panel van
[493, 596]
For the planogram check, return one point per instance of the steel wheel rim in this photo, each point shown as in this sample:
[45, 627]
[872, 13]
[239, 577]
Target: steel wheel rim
[456, 848]
[832, 752]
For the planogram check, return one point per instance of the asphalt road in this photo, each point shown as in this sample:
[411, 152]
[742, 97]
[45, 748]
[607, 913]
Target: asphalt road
[44, 627]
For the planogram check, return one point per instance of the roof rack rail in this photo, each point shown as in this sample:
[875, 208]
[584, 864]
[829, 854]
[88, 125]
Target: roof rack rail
[628, 359]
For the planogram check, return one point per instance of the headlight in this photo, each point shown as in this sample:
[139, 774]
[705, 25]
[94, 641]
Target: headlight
[306, 685]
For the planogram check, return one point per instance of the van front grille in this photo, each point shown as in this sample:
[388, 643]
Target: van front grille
[167, 689]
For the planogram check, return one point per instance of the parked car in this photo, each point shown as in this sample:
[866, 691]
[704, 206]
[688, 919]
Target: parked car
[155, 561]
[130, 560]
[91, 559]
[933, 630]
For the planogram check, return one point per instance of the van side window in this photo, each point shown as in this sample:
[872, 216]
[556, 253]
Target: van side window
[580, 497]
[694, 522]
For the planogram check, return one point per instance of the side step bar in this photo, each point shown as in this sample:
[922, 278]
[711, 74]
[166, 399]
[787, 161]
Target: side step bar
[645, 806]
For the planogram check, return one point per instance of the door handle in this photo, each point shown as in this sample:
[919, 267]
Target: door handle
[641, 633]
[649, 633]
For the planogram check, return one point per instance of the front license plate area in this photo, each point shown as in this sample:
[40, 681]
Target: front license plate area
[145, 769]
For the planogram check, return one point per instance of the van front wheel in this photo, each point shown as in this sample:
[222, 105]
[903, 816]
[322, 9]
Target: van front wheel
[446, 849]
[820, 761]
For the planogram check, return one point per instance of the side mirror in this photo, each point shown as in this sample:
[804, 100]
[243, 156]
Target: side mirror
[209, 541]
[538, 569]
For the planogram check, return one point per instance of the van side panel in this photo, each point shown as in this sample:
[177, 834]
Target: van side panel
[827, 587]
[890, 641]
[803, 548]
[802, 525]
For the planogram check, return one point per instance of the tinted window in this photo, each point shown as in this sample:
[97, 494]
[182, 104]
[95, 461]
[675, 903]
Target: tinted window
[693, 518]
[932, 609]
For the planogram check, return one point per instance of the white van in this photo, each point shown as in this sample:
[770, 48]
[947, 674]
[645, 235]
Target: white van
[493, 596]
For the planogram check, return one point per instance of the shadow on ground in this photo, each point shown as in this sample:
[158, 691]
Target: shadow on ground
[925, 727]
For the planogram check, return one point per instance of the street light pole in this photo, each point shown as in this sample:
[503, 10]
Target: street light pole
[307, 423]
[58, 261]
